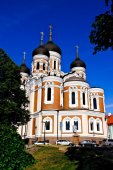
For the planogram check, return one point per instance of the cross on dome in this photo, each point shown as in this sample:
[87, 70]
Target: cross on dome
[41, 38]
[24, 57]
[77, 47]
[50, 32]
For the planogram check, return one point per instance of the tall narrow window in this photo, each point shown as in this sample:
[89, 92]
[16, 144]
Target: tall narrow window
[76, 124]
[67, 125]
[95, 103]
[49, 94]
[98, 127]
[73, 97]
[83, 97]
[91, 125]
[44, 66]
[38, 65]
[47, 125]
[54, 64]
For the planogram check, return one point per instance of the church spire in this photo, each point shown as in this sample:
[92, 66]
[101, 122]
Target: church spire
[41, 38]
[50, 32]
[77, 47]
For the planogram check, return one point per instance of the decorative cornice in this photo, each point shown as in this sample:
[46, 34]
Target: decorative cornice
[40, 56]
[96, 90]
[78, 69]
[55, 54]
[52, 78]
[76, 83]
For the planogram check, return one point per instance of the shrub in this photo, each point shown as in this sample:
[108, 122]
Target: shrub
[13, 155]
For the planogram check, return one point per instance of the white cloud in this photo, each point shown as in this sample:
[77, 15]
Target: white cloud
[109, 105]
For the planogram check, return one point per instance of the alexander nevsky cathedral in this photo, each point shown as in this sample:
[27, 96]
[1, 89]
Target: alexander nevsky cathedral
[62, 105]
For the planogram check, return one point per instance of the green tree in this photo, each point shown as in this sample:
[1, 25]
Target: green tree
[13, 155]
[102, 30]
[12, 98]
[12, 114]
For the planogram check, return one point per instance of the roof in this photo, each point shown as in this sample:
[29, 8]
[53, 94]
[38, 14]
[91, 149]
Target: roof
[51, 46]
[24, 69]
[78, 63]
[74, 78]
[41, 50]
[109, 120]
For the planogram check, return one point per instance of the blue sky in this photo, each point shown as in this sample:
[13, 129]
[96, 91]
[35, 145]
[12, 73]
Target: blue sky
[21, 22]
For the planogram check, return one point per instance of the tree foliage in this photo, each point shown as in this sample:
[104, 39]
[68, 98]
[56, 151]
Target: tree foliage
[13, 155]
[12, 98]
[102, 30]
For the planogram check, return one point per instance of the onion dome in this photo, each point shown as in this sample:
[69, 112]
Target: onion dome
[41, 49]
[50, 45]
[77, 62]
[53, 47]
[23, 67]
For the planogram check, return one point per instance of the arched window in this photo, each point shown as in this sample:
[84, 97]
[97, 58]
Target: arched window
[47, 125]
[76, 124]
[38, 66]
[73, 97]
[91, 126]
[54, 64]
[67, 125]
[94, 103]
[43, 66]
[49, 94]
[98, 126]
[83, 97]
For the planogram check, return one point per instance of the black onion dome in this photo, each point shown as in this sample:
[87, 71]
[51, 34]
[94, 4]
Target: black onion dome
[53, 47]
[41, 50]
[77, 63]
[24, 69]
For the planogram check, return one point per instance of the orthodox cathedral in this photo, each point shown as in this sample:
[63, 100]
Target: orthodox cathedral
[62, 105]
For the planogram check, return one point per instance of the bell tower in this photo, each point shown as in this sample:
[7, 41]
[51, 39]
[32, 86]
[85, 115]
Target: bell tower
[55, 55]
[78, 66]
[40, 59]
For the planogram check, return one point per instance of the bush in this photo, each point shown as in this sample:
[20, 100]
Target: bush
[13, 155]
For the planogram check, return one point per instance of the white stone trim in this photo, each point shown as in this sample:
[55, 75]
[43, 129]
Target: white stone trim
[51, 124]
[49, 85]
[39, 98]
[97, 100]
[52, 78]
[61, 96]
[84, 90]
[78, 69]
[64, 124]
[54, 54]
[95, 121]
[79, 123]
[71, 120]
[40, 56]
[75, 90]
[96, 90]
[76, 83]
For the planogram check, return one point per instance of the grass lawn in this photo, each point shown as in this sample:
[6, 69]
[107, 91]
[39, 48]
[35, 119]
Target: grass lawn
[51, 158]
[71, 158]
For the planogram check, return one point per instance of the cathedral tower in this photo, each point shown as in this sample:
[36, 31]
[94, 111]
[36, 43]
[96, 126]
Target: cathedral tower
[55, 56]
[40, 59]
